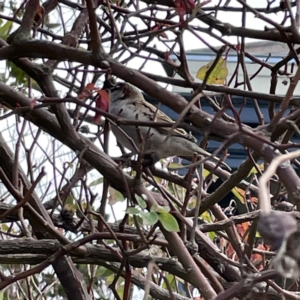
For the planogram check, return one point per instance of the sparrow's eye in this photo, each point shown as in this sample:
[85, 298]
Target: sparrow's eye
[115, 88]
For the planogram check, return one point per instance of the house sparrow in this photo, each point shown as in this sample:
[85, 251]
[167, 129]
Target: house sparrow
[127, 102]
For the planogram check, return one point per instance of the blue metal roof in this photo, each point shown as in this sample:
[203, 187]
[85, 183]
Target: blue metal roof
[231, 58]
[248, 116]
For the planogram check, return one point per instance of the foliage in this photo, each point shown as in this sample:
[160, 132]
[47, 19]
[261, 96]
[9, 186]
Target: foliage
[78, 221]
[218, 73]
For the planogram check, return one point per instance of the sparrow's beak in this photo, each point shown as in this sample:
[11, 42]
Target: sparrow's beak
[108, 84]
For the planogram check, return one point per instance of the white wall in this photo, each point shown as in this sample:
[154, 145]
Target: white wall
[261, 83]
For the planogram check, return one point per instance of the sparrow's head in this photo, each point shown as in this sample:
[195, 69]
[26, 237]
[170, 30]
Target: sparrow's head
[124, 91]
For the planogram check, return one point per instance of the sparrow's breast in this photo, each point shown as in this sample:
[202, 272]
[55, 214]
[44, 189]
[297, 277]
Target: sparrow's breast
[127, 134]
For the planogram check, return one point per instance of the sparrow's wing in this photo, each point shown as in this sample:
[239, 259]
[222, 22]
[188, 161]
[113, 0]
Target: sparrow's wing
[162, 117]
[157, 115]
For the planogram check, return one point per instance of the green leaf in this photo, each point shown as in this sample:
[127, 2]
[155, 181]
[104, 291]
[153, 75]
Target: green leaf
[100, 270]
[114, 196]
[103, 272]
[53, 25]
[132, 211]
[163, 209]
[96, 182]
[120, 291]
[109, 279]
[70, 209]
[5, 29]
[159, 209]
[172, 282]
[141, 202]
[158, 179]
[4, 227]
[168, 222]
[70, 200]
[212, 235]
[149, 218]
[17, 73]
[177, 190]
[35, 85]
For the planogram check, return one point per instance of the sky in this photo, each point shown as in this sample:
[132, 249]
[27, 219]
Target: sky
[190, 43]
[234, 18]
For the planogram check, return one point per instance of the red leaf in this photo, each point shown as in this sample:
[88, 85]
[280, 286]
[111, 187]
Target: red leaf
[97, 119]
[257, 259]
[40, 11]
[177, 3]
[90, 86]
[181, 11]
[102, 103]
[167, 55]
[87, 91]
[162, 34]
[83, 95]
[33, 103]
[183, 7]
[189, 5]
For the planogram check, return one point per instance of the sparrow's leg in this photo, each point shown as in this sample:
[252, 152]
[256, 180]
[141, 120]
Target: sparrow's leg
[125, 159]
[148, 160]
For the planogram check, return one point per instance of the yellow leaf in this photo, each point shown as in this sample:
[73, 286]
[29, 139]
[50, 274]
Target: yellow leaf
[206, 173]
[70, 207]
[239, 193]
[260, 167]
[206, 216]
[174, 166]
[217, 75]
